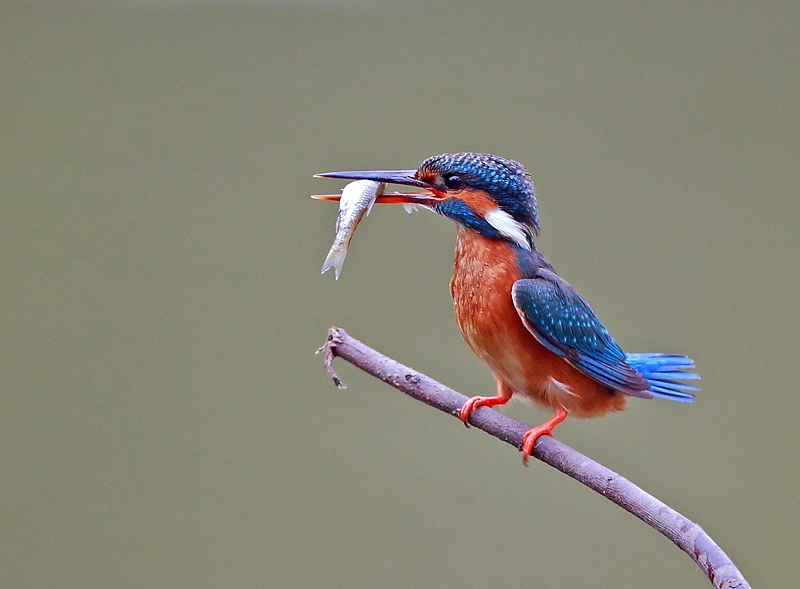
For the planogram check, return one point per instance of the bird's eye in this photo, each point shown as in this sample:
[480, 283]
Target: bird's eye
[453, 182]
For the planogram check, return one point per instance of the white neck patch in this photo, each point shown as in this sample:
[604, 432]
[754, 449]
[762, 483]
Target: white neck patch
[508, 227]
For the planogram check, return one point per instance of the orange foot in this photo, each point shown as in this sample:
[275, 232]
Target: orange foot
[475, 402]
[546, 429]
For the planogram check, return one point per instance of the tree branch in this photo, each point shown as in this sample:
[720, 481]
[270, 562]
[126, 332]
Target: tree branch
[686, 534]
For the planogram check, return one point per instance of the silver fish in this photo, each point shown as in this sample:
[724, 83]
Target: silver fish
[356, 201]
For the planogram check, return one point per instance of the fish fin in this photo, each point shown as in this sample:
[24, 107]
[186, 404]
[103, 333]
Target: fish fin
[335, 260]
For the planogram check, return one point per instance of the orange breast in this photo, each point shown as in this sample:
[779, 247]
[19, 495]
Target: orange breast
[485, 271]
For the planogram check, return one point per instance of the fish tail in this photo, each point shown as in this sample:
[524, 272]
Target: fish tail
[335, 260]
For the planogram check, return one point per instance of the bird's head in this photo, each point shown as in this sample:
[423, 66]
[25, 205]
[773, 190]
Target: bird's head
[486, 193]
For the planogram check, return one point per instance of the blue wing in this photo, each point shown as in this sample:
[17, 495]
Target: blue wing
[565, 324]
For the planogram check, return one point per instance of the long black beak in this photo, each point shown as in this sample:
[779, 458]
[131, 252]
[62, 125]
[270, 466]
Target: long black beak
[403, 177]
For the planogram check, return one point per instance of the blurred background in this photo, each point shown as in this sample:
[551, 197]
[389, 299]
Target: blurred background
[165, 422]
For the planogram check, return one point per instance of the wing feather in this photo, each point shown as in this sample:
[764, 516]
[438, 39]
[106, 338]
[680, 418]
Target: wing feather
[565, 324]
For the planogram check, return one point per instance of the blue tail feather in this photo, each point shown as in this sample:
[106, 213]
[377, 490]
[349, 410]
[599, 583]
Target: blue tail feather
[663, 371]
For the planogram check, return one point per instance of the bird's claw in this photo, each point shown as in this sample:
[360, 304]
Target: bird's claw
[473, 403]
[546, 429]
[468, 407]
[529, 440]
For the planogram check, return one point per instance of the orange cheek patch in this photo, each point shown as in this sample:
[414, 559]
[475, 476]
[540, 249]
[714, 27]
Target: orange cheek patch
[477, 201]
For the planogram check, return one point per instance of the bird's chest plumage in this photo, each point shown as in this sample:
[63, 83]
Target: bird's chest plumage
[485, 271]
[484, 274]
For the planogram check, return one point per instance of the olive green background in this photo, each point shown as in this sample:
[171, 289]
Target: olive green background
[164, 420]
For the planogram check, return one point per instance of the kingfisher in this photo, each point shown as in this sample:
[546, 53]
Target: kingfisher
[540, 339]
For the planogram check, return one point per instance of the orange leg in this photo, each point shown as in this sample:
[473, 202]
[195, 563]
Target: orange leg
[503, 396]
[546, 429]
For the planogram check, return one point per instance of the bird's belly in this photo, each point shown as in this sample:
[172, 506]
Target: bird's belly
[498, 337]
[489, 322]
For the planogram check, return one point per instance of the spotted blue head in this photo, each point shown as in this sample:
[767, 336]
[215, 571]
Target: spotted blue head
[486, 193]
[505, 182]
